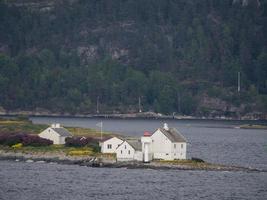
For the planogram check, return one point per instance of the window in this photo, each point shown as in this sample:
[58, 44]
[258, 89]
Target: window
[121, 151]
[124, 146]
[109, 146]
[167, 154]
[174, 146]
[129, 152]
[182, 145]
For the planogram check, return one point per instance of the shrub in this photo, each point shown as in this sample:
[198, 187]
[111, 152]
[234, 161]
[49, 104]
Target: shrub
[79, 141]
[3, 138]
[33, 140]
[13, 139]
[95, 146]
[25, 139]
[80, 152]
[17, 146]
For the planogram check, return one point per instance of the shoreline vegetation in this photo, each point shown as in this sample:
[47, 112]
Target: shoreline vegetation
[140, 115]
[86, 156]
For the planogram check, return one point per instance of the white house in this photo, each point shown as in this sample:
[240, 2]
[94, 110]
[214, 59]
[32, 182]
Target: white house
[130, 150]
[110, 145]
[167, 144]
[55, 133]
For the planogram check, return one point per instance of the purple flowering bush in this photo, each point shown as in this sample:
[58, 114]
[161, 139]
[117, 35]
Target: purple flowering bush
[25, 139]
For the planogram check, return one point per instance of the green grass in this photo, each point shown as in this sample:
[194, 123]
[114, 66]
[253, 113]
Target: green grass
[20, 126]
[191, 163]
[255, 126]
[26, 126]
[55, 149]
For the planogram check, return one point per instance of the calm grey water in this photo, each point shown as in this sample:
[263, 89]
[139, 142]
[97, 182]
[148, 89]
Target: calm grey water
[41, 181]
[214, 141]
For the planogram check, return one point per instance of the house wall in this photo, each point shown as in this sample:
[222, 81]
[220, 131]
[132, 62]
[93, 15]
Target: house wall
[179, 150]
[50, 134]
[138, 156]
[161, 146]
[62, 140]
[114, 142]
[125, 152]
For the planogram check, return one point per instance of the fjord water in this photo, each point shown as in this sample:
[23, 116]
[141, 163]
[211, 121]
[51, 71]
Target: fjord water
[31, 181]
[213, 141]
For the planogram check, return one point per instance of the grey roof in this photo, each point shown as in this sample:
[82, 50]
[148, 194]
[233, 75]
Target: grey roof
[62, 132]
[173, 134]
[135, 143]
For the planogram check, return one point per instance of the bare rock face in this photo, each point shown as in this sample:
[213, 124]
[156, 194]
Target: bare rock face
[116, 54]
[218, 107]
[41, 5]
[88, 53]
[214, 103]
[246, 2]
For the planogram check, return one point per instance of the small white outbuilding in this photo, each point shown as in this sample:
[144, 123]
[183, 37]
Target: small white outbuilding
[130, 150]
[110, 145]
[55, 133]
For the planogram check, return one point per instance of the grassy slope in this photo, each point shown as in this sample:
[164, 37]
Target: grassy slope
[9, 126]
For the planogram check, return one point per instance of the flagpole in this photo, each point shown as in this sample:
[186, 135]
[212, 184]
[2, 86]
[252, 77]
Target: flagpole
[101, 129]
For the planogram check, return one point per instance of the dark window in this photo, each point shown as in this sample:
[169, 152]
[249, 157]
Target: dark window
[124, 146]
[129, 152]
[175, 146]
[121, 151]
[182, 145]
[109, 146]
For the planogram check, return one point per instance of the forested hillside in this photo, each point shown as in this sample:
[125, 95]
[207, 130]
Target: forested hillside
[179, 56]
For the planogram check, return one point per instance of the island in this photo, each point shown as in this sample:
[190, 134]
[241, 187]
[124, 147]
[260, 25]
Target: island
[82, 150]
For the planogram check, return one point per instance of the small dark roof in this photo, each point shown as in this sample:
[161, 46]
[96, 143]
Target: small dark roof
[135, 143]
[62, 132]
[173, 135]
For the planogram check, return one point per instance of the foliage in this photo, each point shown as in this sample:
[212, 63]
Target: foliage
[24, 139]
[33, 140]
[80, 152]
[17, 146]
[79, 141]
[167, 53]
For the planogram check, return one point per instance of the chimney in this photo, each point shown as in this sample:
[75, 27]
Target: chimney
[55, 125]
[165, 126]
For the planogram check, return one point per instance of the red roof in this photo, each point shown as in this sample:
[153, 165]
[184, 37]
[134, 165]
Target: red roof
[146, 133]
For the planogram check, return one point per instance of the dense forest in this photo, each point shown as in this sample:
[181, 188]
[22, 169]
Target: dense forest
[174, 56]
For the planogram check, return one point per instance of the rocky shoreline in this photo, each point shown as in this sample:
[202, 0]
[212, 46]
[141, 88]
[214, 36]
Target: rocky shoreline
[91, 161]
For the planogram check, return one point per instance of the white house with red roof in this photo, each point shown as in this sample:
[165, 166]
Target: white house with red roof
[164, 144]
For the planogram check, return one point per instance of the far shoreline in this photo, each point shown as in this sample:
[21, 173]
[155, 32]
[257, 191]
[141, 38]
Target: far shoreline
[129, 116]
